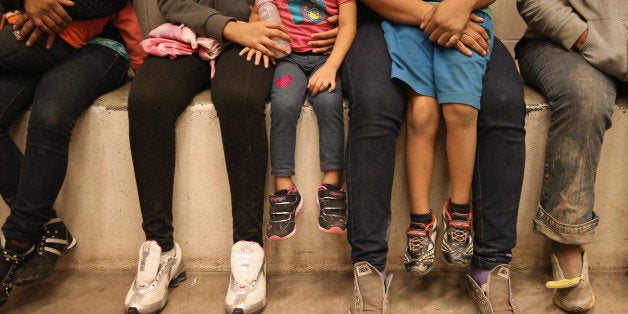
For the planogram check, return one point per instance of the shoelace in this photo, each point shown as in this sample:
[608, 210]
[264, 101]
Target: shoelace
[458, 235]
[417, 243]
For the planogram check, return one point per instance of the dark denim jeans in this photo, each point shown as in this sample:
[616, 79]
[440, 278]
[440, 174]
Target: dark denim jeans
[159, 94]
[581, 99]
[30, 183]
[286, 97]
[376, 110]
[16, 56]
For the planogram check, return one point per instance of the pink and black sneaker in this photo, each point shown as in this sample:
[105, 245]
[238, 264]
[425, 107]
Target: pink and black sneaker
[332, 204]
[285, 206]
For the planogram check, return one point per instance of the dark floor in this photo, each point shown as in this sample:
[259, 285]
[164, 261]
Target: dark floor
[99, 292]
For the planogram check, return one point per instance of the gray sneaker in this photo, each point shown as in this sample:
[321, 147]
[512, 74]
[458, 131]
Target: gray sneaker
[370, 290]
[572, 297]
[495, 296]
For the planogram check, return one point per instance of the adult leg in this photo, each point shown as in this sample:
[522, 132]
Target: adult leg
[16, 56]
[158, 95]
[497, 180]
[582, 99]
[62, 94]
[16, 94]
[240, 90]
[376, 110]
[498, 176]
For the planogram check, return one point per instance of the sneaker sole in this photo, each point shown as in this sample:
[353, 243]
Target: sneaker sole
[276, 238]
[174, 282]
[332, 230]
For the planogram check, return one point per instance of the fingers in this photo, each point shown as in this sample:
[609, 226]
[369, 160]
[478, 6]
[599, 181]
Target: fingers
[426, 20]
[330, 34]
[66, 3]
[333, 19]
[50, 40]
[35, 35]
[452, 41]
[473, 43]
[26, 30]
[476, 19]
[323, 45]
[480, 31]
[243, 51]
[21, 21]
[462, 48]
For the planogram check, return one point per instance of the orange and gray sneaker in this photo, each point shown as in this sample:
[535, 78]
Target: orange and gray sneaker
[421, 242]
[457, 243]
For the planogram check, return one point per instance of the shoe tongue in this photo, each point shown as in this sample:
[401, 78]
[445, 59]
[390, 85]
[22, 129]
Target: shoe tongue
[150, 255]
[283, 192]
[246, 260]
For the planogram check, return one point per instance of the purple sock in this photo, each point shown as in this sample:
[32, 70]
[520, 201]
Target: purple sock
[479, 275]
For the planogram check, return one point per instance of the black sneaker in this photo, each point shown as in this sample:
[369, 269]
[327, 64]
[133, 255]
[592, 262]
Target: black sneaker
[421, 242]
[332, 205]
[285, 206]
[9, 263]
[55, 242]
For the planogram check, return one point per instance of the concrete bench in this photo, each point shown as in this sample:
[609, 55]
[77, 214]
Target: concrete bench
[100, 205]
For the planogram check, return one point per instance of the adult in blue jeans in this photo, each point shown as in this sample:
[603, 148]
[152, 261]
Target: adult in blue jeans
[377, 107]
[30, 181]
[575, 52]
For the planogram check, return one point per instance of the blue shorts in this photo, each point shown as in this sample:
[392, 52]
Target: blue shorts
[433, 70]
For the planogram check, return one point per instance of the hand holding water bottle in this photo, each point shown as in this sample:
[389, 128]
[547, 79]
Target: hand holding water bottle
[268, 12]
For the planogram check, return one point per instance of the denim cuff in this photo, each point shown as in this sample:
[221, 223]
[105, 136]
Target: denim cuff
[547, 225]
[285, 172]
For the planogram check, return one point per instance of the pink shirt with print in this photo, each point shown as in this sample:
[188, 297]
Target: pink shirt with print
[306, 17]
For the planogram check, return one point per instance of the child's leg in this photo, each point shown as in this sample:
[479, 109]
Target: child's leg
[461, 121]
[16, 56]
[423, 119]
[288, 90]
[331, 133]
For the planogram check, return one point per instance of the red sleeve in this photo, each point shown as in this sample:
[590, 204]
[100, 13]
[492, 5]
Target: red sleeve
[126, 21]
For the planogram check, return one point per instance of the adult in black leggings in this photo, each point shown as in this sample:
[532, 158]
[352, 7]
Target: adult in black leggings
[376, 110]
[160, 92]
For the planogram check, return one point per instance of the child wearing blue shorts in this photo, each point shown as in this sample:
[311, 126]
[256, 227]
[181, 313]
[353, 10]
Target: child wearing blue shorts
[439, 79]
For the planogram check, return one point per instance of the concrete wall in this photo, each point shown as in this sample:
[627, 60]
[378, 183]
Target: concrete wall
[99, 199]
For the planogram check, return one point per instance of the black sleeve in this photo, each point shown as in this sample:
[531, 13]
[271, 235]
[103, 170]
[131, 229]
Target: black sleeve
[92, 9]
[82, 9]
[12, 4]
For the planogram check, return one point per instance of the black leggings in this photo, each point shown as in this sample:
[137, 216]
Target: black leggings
[161, 91]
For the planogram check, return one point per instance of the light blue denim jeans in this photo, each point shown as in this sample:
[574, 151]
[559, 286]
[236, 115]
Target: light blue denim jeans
[289, 87]
[581, 99]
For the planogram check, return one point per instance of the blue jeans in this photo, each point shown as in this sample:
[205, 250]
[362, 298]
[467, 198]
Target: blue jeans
[30, 182]
[581, 99]
[376, 110]
[289, 87]
[16, 56]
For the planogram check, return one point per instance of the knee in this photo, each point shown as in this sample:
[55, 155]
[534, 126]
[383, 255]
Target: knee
[460, 116]
[146, 105]
[422, 121]
[47, 120]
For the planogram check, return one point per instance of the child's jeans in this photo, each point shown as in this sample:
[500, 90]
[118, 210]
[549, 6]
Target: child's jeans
[16, 56]
[289, 87]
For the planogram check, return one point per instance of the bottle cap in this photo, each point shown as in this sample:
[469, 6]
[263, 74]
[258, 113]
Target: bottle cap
[259, 2]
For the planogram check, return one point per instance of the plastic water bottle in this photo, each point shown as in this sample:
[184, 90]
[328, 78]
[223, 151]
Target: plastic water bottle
[268, 12]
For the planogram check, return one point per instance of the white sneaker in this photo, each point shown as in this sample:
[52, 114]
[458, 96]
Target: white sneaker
[247, 286]
[156, 271]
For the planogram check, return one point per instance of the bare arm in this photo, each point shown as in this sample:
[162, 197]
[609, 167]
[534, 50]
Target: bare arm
[325, 76]
[441, 22]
